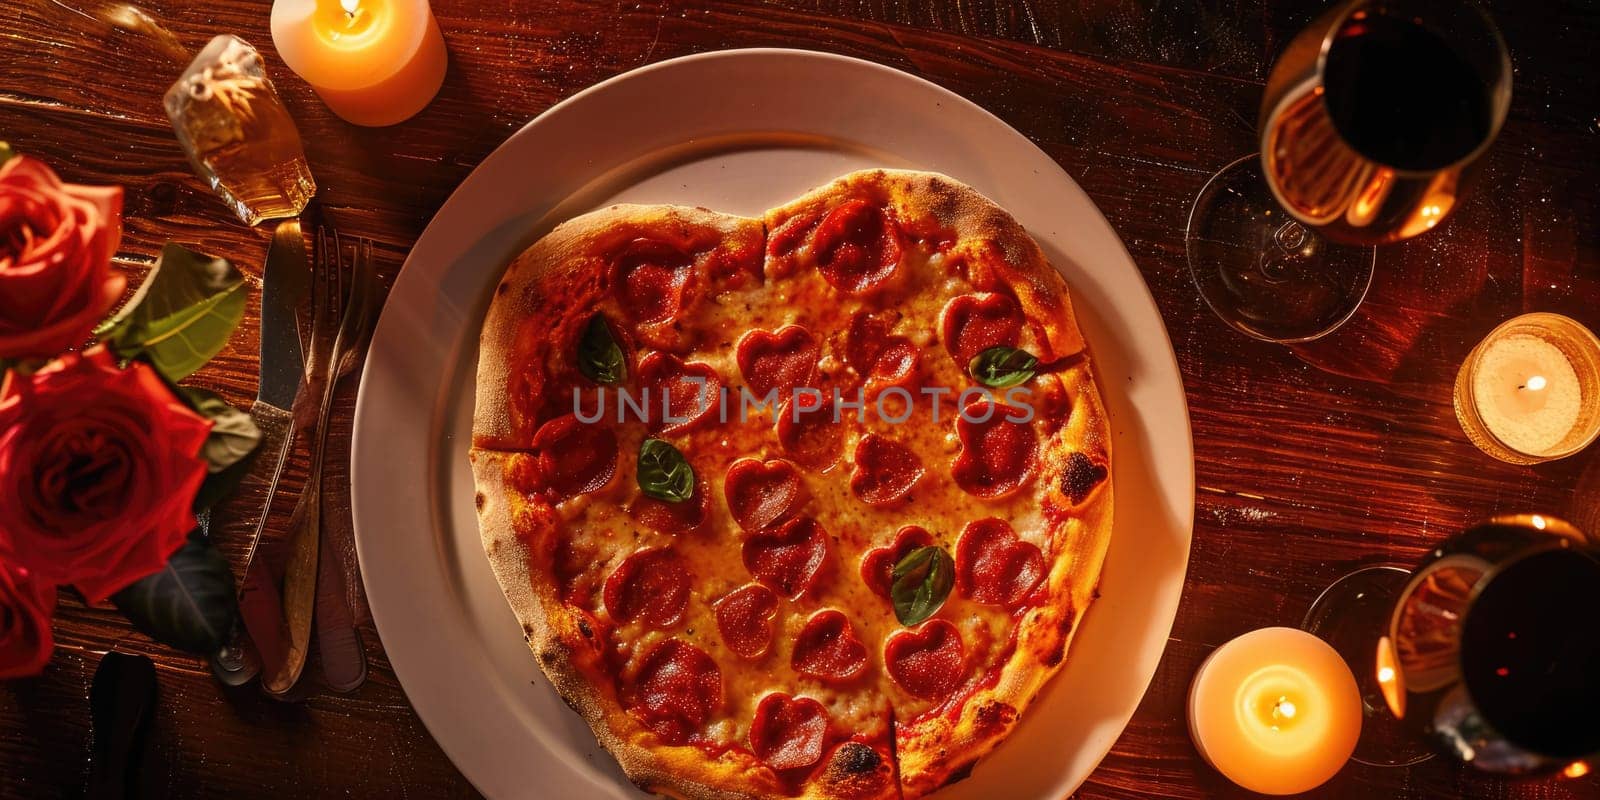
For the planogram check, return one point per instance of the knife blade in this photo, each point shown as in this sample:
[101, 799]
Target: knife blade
[285, 280]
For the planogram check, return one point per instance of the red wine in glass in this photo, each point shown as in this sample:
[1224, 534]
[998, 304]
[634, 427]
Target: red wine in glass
[1372, 123]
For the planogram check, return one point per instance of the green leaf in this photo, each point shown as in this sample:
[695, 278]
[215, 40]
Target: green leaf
[1002, 366]
[229, 448]
[599, 356]
[663, 472]
[6, 152]
[189, 603]
[233, 434]
[922, 582]
[182, 314]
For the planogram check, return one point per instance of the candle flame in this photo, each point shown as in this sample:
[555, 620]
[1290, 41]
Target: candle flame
[1538, 522]
[350, 6]
[1284, 709]
[1576, 769]
[1536, 383]
[1385, 675]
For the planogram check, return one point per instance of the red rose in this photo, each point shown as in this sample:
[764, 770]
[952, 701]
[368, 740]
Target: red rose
[98, 466]
[25, 606]
[56, 243]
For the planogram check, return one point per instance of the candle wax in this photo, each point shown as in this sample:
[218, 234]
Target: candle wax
[374, 62]
[1527, 393]
[1276, 710]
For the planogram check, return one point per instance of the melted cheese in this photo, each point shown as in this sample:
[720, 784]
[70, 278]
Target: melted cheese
[600, 528]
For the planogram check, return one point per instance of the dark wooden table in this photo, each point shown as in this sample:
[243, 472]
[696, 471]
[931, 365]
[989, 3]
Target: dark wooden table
[1311, 460]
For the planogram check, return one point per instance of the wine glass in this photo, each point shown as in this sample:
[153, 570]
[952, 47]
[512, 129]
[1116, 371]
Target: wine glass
[1372, 122]
[1487, 651]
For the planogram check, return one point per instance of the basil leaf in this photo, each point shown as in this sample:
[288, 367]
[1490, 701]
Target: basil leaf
[922, 582]
[1003, 366]
[182, 314]
[228, 448]
[663, 472]
[599, 356]
[189, 603]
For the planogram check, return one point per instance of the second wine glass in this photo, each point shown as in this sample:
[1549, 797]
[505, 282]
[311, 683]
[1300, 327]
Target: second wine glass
[1371, 124]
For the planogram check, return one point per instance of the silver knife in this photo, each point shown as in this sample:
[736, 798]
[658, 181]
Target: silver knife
[285, 280]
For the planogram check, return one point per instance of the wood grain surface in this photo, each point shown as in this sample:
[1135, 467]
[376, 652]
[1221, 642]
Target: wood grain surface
[1311, 460]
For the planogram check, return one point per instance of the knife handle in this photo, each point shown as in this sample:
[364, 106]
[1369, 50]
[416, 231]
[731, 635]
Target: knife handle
[260, 604]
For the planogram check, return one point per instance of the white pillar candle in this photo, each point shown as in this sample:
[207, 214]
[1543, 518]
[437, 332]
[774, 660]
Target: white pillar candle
[374, 62]
[1276, 711]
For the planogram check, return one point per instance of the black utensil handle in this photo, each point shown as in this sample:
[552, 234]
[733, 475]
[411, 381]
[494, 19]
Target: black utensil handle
[120, 703]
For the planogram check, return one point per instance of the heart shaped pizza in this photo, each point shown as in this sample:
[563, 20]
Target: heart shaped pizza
[802, 506]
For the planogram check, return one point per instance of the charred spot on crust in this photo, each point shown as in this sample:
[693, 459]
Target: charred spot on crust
[478, 500]
[855, 758]
[1064, 625]
[994, 716]
[547, 656]
[1054, 657]
[1081, 476]
[504, 287]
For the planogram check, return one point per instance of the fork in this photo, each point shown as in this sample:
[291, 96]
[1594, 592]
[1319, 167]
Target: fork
[326, 362]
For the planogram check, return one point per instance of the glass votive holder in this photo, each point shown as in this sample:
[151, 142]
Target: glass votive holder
[1530, 391]
[238, 135]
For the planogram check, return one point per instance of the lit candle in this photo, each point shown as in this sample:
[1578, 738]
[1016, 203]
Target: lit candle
[1530, 391]
[374, 62]
[1275, 711]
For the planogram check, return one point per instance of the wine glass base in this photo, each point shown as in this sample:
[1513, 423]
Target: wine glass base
[1351, 615]
[1264, 273]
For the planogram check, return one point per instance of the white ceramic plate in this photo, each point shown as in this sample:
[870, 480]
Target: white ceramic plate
[737, 131]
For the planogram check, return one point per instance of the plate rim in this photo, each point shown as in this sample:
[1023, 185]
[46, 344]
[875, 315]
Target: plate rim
[1183, 515]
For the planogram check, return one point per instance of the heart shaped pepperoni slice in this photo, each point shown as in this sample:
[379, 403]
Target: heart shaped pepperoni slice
[895, 365]
[811, 430]
[885, 470]
[650, 586]
[857, 246]
[692, 393]
[653, 275]
[927, 661]
[973, 323]
[877, 566]
[998, 453]
[828, 648]
[995, 567]
[880, 359]
[762, 493]
[788, 732]
[573, 457]
[744, 618]
[676, 690]
[673, 518]
[863, 340]
[778, 361]
[789, 558]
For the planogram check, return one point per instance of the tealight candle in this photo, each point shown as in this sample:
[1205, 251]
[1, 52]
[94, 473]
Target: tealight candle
[1530, 391]
[374, 62]
[1275, 711]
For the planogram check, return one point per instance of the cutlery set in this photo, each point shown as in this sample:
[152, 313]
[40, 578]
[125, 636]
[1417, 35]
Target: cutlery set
[287, 595]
